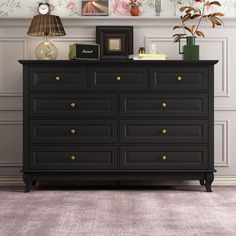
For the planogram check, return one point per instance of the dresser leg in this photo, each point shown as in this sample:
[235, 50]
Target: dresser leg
[209, 179]
[28, 181]
[202, 181]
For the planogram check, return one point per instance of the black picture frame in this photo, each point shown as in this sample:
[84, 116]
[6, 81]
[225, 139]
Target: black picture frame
[116, 42]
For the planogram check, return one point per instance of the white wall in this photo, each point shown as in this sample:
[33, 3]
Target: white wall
[15, 44]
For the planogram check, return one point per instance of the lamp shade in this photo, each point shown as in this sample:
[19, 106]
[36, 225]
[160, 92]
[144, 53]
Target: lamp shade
[46, 25]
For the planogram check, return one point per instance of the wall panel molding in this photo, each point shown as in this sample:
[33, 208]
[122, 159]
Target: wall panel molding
[10, 108]
[225, 63]
[224, 161]
[225, 109]
[11, 94]
[10, 163]
[25, 49]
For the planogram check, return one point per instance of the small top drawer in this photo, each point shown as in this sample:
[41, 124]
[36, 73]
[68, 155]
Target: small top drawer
[179, 78]
[117, 78]
[58, 78]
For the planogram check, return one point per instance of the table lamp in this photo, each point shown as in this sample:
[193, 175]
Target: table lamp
[46, 26]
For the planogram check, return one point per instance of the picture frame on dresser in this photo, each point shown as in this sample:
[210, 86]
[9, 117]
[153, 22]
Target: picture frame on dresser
[116, 42]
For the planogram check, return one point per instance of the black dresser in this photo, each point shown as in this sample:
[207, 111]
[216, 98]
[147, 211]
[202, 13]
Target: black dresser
[118, 120]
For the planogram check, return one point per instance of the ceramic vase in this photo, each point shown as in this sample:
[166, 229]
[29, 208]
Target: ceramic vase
[134, 11]
[190, 50]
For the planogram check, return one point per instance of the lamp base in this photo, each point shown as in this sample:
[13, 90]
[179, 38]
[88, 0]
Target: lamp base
[46, 50]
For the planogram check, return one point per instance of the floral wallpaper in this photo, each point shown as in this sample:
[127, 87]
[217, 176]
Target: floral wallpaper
[119, 8]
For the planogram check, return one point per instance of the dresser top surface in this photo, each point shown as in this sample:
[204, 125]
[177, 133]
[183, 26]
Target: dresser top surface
[120, 62]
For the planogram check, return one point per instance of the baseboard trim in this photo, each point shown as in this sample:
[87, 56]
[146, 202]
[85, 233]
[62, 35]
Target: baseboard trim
[219, 181]
[224, 180]
[11, 181]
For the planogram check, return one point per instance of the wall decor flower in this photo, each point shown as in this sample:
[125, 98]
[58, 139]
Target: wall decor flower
[9, 6]
[176, 4]
[135, 3]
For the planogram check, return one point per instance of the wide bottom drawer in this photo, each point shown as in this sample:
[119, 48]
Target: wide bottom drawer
[164, 157]
[73, 157]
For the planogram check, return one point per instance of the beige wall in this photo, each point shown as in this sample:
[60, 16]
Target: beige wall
[15, 45]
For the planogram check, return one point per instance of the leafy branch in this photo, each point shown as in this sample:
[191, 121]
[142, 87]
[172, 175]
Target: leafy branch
[193, 14]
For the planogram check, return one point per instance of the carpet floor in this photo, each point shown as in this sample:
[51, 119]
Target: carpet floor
[166, 211]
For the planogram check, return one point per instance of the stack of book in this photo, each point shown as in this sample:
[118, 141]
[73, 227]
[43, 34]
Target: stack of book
[145, 56]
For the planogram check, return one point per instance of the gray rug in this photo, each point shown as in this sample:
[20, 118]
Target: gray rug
[182, 211]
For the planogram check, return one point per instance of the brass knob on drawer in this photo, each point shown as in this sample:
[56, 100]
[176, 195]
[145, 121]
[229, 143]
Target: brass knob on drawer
[72, 157]
[72, 131]
[179, 78]
[73, 105]
[164, 104]
[164, 157]
[164, 131]
[58, 78]
[118, 78]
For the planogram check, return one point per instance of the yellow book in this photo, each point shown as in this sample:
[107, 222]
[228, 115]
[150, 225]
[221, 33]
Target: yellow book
[152, 55]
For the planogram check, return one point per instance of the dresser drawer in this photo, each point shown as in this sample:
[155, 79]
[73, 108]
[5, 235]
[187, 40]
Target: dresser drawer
[163, 131]
[80, 104]
[58, 78]
[162, 104]
[73, 157]
[164, 157]
[69, 131]
[117, 78]
[179, 78]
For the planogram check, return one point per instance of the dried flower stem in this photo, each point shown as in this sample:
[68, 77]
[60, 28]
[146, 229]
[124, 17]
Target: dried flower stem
[200, 20]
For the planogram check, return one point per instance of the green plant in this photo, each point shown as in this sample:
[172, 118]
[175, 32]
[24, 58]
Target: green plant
[196, 15]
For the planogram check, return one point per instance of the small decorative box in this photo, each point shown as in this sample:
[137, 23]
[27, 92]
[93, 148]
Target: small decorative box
[84, 51]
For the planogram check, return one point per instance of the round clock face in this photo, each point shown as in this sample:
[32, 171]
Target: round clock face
[43, 8]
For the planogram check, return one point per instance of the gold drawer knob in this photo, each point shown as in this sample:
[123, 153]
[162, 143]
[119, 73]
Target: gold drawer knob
[58, 78]
[179, 78]
[72, 131]
[164, 105]
[164, 157]
[164, 131]
[73, 105]
[72, 157]
[118, 78]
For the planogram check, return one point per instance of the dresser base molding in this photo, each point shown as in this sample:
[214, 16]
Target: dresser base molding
[205, 178]
[13, 181]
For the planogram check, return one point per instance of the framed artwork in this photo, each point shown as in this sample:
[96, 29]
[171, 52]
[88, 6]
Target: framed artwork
[116, 42]
[94, 7]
